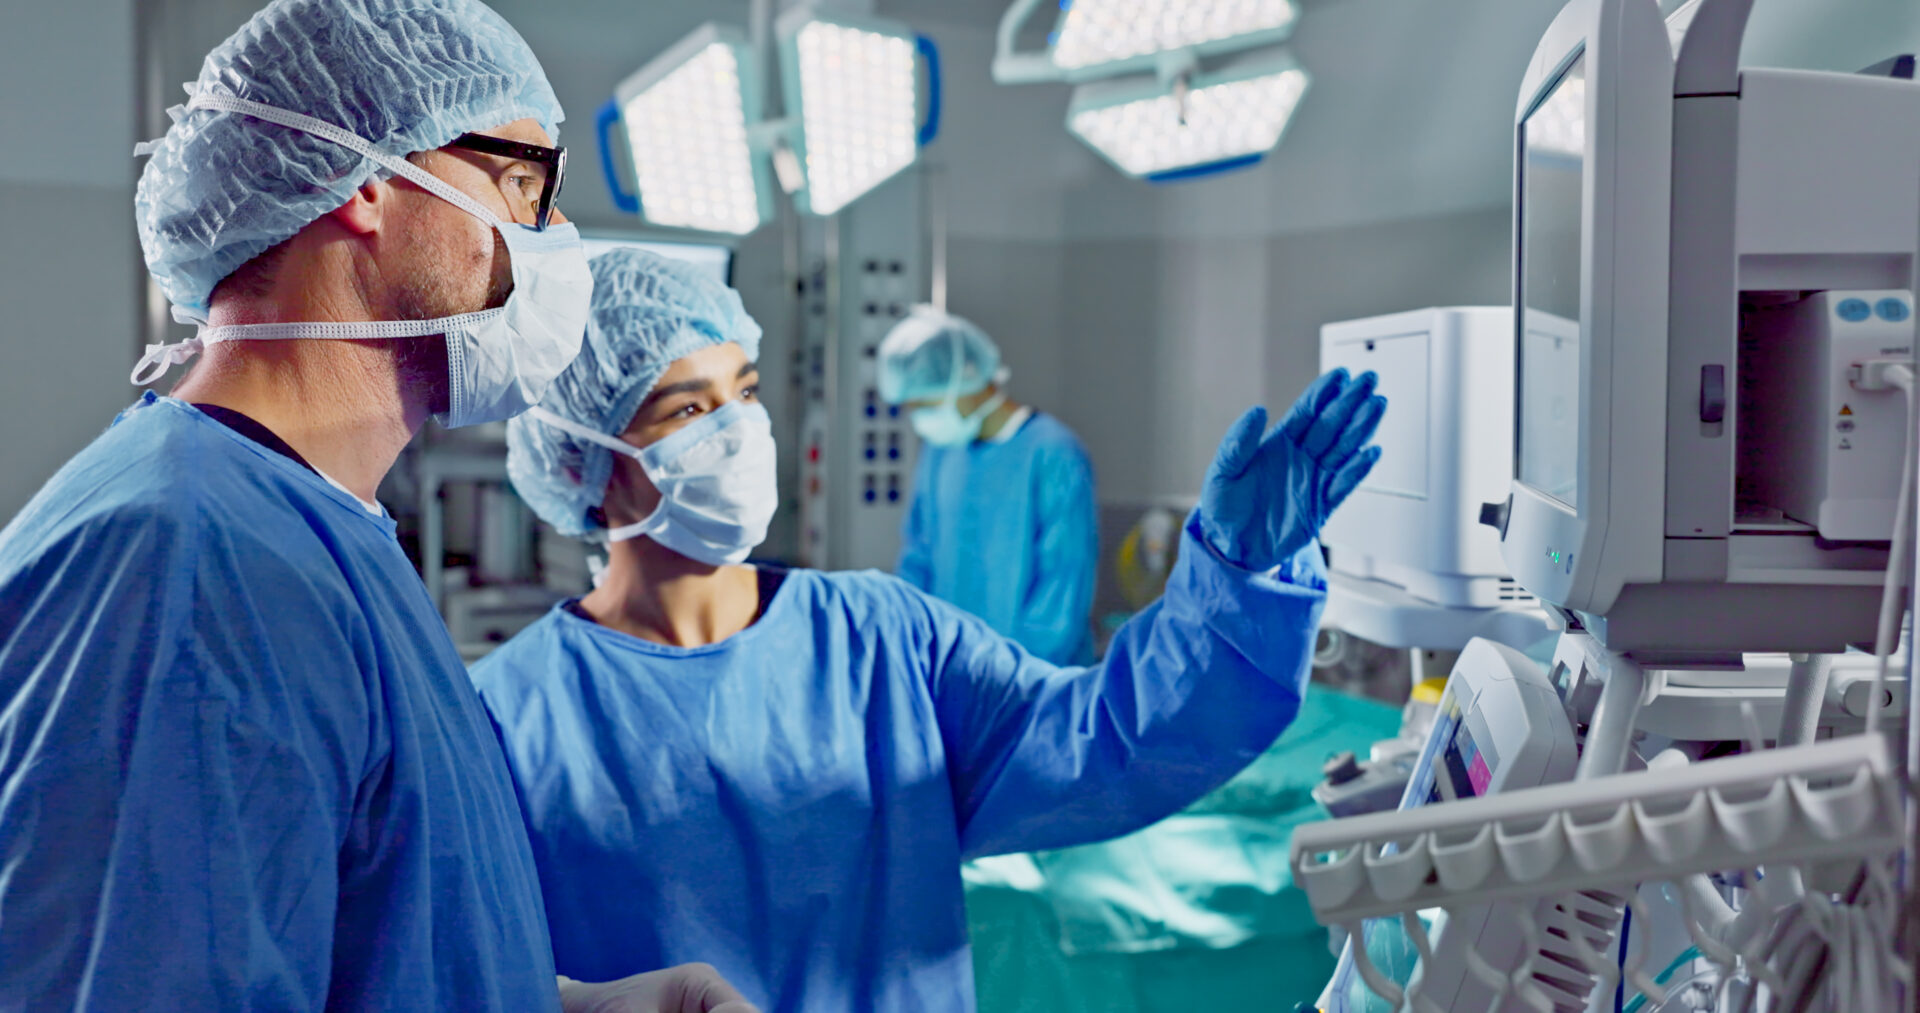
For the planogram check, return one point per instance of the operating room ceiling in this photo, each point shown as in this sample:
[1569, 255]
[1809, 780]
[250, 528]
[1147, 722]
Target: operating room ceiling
[1410, 112]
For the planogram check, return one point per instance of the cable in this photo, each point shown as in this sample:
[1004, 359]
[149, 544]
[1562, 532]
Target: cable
[1899, 375]
[1687, 956]
[1620, 987]
[1807, 681]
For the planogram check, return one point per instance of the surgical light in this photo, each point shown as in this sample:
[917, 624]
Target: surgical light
[852, 85]
[1093, 33]
[1160, 131]
[686, 117]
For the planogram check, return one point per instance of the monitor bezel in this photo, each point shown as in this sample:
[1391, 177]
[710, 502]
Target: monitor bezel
[1580, 556]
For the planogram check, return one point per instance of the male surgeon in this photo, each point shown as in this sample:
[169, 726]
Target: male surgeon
[241, 766]
[1002, 522]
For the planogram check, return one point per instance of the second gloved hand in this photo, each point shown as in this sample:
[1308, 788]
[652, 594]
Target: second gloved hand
[1268, 494]
[689, 988]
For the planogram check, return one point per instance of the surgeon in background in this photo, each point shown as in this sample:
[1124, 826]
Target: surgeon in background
[780, 771]
[1002, 522]
[241, 766]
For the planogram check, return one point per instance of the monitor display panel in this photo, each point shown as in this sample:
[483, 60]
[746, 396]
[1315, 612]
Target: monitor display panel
[1554, 139]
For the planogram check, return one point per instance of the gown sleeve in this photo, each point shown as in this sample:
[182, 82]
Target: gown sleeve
[182, 726]
[1053, 617]
[1192, 689]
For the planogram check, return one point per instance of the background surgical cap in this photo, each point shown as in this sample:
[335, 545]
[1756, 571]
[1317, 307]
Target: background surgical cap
[407, 75]
[648, 311]
[918, 357]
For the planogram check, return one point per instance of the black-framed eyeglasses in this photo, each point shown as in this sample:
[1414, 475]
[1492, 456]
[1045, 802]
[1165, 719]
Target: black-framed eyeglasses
[554, 159]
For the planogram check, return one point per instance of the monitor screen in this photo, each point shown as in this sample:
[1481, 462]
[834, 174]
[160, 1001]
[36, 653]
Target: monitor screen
[716, 261]
[1554, 140]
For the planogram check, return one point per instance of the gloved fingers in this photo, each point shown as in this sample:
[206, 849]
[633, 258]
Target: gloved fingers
[1315, 400]
[736, 1007]
[703, 990]
[1358, 431]
[1329, 424]
[1242, 442]
[1349, 476]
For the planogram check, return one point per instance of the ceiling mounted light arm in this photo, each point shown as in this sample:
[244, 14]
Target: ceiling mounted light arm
[776, 139]
[1175, 64]
[1011, 66]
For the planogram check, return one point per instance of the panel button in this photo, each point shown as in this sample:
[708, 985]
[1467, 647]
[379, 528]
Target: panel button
[1853, 310]
[1893, 311]
[1713, 393]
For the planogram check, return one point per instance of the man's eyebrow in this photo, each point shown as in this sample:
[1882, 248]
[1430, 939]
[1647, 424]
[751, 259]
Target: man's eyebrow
[683, 387]
[751, 367]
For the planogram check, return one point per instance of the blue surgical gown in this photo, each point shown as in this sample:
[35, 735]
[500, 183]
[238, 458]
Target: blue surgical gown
[241, 765]
[792, 804]
[1007, 531]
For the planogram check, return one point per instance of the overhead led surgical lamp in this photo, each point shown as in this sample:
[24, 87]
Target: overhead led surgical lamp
[1100, 38]
[852, 86]
[704, 156]
[1181, 125]
[687, 118]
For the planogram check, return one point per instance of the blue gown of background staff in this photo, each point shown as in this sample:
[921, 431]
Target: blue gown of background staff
[1007, 531]
[792, 804]
[240, 764]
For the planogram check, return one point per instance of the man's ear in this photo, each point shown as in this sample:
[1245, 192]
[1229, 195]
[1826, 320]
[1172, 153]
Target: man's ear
[363, 212]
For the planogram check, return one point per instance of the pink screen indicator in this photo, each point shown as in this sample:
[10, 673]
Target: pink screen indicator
[1478, 773]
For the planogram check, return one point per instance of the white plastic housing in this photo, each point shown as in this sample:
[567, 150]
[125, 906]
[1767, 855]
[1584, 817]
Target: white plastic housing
[1447, 375]
[1814, 446]
[1501, 724]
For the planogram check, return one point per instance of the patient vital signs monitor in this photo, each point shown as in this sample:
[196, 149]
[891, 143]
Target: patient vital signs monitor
[1705, 257]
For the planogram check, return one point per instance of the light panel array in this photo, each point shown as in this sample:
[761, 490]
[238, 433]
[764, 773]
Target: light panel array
[1153, 134]
[1096, 32]
[858, 101]
[688, 135]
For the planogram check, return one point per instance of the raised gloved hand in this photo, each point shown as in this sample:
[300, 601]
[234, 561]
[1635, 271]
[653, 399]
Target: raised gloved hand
[1266, 496]
[689, 988]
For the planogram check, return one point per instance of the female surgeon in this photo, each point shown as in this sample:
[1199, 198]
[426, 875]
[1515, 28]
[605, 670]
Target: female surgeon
[780, 771]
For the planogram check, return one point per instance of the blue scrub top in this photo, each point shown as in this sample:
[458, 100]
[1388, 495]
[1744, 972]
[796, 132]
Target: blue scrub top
[792, 804]
[241, 766]
[1007, 530]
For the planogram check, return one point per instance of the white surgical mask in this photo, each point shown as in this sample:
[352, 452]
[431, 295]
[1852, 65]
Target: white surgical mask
[716, 478]
[500, 361]
[944, 426]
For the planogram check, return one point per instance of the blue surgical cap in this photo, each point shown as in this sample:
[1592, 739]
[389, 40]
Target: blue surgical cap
[406, 75]
[648, 311]
[921, 356]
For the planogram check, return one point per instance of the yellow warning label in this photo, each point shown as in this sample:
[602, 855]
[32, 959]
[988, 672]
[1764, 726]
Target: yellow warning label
[1846, 409]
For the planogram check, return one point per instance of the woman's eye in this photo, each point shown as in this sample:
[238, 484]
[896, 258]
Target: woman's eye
[685, 411]
[751, 393]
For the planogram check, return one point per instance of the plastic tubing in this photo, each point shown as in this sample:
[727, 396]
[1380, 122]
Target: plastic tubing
[1610, 737]
[1806, 691]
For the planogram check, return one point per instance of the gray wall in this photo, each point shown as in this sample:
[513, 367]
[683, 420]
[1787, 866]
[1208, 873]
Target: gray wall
[69, 288]
[1166, 342]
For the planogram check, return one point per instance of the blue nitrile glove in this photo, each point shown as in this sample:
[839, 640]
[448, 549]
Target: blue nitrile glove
[1267, 496]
